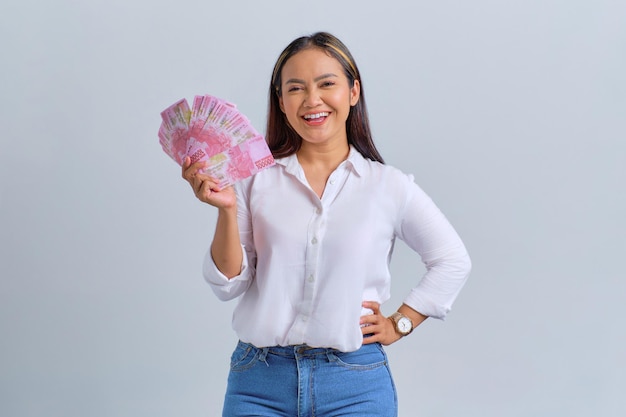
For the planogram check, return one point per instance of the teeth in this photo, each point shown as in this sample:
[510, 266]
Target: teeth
[316, 115]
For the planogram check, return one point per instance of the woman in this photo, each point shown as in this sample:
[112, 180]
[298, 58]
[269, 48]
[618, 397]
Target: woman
[306, 245]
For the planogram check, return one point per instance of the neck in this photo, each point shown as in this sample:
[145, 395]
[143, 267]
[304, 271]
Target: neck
[319, 161]
[327, 156]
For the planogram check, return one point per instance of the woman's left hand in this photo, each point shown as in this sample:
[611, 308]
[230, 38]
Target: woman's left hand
[377, 326]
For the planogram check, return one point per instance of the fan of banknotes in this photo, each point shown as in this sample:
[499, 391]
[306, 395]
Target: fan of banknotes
[214, 130]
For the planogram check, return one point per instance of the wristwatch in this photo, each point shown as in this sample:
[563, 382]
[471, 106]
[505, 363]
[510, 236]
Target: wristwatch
[403, 324]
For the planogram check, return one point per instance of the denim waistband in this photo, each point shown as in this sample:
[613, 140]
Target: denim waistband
[292, 351]
[300, 350]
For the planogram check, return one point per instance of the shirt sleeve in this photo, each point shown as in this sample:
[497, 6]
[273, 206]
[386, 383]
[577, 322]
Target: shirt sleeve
[426, 230]
[224, 288]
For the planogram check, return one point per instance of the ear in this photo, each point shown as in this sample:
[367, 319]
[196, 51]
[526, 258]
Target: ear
[355, 93]
[280, 102]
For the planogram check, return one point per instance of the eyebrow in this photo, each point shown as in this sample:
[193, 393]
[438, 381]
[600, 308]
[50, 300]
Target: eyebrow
[299, 81]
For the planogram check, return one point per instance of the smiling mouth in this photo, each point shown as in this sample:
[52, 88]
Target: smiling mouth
[316, 117]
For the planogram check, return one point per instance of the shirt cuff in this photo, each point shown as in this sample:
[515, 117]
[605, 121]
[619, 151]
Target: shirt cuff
[226, 288]
[426, 307]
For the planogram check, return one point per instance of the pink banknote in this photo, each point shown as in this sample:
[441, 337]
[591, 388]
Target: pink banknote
[214, 130]
[174, 130]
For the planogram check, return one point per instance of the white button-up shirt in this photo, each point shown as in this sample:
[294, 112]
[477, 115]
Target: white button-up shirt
[309, 263]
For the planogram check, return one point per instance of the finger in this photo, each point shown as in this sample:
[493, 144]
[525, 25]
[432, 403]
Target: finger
[199, 165]
[203, 187]
[372, 305]
[185, 166]
[378, 333]
[371, 339]
[371, 334]
[192, 170]
[369, 319]
[206, 187]
[197, 180]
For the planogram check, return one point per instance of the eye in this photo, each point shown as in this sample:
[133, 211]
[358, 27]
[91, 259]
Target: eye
[294, 88]
[328, 84]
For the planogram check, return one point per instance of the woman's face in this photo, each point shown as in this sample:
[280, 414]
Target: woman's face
[316, 96]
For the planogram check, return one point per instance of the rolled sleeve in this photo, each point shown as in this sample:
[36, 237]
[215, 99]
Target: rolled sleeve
[440, 286]
[224, 288]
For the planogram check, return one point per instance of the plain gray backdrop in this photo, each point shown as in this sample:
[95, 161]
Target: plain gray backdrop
[510, 114]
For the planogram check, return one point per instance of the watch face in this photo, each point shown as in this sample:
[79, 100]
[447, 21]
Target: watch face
[404, 325]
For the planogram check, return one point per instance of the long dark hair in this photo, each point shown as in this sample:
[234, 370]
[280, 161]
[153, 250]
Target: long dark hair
[282, 139]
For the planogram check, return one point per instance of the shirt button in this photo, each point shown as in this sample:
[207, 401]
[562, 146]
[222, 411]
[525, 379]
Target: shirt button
[311, 278]
[318, 211]
[332, 182]
[314, 240]
[304, 318]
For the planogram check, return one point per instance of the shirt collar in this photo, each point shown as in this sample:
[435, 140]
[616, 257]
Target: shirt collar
[354, 160]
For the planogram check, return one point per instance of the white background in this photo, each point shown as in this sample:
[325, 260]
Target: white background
[511, 115]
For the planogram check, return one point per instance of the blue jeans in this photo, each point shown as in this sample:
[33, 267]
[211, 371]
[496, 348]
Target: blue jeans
[300, 381]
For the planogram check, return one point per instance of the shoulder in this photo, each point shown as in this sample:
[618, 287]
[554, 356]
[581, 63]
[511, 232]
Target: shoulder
[378, 172]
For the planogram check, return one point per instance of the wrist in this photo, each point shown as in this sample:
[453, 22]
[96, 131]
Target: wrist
[229, 211]
[402, 324]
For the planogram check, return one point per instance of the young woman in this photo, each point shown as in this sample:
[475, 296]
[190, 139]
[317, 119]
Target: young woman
[306, 246]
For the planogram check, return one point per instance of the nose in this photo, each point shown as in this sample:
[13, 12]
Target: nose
[312, 98]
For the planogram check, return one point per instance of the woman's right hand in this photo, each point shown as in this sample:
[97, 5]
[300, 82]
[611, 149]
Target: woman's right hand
[207, 188]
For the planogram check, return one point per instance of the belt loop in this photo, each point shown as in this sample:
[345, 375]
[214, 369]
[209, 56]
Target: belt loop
[263, 355]
[299, 350]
